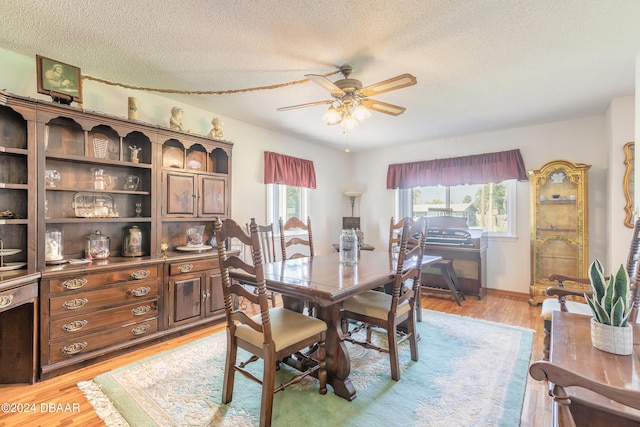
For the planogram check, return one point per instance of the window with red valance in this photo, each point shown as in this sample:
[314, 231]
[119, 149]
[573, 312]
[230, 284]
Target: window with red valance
[475, 169]
[288, 170]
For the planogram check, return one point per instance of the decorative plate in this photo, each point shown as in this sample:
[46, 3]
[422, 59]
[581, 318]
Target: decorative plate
[6, 252]
[12, 266]
[80, 260]
[194, 248]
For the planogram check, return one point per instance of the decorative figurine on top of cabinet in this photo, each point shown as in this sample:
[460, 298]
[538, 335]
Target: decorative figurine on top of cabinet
[132, 108]
[216, 130]
[176, 119]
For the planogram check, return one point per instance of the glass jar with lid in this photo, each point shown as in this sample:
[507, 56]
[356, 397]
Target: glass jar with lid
[97, 245]
[53, 250]
[348, 247]
[132, 241]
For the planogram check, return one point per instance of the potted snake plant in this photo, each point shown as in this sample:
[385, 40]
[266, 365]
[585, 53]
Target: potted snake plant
[610, 304]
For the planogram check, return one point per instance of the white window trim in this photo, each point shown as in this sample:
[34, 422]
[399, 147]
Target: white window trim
[277, 204]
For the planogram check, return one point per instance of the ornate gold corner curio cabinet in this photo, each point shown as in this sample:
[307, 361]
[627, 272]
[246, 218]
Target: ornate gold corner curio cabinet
[559, 224]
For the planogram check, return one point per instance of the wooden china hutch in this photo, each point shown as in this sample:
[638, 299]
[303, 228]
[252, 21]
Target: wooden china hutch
[95, 212]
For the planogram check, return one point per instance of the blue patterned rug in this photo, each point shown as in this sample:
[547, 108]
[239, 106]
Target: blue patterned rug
[470, 373]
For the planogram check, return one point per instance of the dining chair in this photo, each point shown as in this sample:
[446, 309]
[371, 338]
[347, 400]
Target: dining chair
[395, 236]
[272, 335]
[266, 236]
[292, 247]
[559, 294]
[379, 309]
[562, 380]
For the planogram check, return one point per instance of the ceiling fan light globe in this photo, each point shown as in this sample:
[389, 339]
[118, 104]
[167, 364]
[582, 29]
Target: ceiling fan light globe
[361, 113]
[349, 122]
[332, 116]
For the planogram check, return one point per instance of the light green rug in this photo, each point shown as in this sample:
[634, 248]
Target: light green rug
[471, 373]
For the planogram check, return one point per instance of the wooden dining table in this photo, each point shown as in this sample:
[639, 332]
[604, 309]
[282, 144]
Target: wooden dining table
[325, 283]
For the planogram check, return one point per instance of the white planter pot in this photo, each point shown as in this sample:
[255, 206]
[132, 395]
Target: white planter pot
[612, 339]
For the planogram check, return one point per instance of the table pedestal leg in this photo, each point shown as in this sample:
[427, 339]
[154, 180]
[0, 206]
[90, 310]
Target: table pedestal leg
[338, 362]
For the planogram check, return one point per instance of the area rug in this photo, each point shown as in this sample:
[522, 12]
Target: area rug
[470, 373]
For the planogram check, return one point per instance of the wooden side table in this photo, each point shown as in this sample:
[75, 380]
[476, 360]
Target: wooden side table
[571, 349]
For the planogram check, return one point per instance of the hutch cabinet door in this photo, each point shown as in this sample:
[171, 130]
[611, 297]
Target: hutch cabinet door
[215, 298]
[213, 196]
[180, 194]
[186, 296]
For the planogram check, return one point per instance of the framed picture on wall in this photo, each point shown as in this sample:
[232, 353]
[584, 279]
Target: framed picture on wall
[628, 184]
[61, 81]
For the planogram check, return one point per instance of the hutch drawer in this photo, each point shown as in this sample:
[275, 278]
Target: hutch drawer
[90, 280]
[193, 266]
[18, 296]
[80, 324]
[126, 331]
[89, 301]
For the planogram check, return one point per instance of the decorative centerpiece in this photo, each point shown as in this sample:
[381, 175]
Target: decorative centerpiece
[611, 307]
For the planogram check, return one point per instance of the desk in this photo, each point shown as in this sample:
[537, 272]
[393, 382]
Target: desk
[323, 281]
[571, 349]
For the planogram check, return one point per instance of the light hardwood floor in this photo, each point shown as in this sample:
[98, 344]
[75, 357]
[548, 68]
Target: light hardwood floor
[62, 391]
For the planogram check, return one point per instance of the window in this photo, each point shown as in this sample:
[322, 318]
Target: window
[286, 201]
[487, 206]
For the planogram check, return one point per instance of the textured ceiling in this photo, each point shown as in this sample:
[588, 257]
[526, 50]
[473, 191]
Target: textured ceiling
[480, 64]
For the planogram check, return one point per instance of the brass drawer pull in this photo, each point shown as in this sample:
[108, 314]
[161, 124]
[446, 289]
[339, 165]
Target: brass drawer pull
[74, 348]
[5, 301]
[140, 292]
[76, 325]
[74, 283]
[140, 274]
[139, 330]
[74, 304]
[140, 311]
[185, 268]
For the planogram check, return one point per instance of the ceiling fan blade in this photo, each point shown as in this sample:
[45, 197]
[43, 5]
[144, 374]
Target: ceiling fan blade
[325, 83]
[310, 104]
[382, 107]
[393, 83]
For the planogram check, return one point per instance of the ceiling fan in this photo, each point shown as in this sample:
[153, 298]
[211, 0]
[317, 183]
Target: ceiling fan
[351, 102]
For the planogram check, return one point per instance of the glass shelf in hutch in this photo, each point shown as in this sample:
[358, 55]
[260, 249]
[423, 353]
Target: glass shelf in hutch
[559, 224]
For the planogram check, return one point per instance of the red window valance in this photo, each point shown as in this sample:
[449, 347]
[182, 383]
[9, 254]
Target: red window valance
[475, 169]
[282, 169]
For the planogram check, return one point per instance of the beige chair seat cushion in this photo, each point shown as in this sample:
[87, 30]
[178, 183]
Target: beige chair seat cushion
[550, 305]
[287, 328]
[373, 304]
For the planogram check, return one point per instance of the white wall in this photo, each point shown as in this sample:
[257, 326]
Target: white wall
[620, 127]
[595, 140]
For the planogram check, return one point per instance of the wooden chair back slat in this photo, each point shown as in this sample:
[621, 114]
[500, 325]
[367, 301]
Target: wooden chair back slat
[294, 223]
